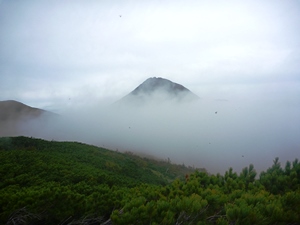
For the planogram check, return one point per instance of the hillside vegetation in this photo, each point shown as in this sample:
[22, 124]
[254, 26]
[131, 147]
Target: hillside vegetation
[48, 182]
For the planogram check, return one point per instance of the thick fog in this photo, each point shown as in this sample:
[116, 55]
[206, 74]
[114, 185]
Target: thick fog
[211, 134]
[76, 58]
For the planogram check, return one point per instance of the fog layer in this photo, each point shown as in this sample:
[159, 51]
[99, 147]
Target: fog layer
[214, 134]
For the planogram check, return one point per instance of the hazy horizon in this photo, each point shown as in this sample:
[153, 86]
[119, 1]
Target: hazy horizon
[214, 135]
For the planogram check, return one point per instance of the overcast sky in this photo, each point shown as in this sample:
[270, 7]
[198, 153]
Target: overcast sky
[53, 51]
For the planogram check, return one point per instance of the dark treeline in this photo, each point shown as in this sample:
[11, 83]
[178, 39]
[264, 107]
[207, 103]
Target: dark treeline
[45, 182]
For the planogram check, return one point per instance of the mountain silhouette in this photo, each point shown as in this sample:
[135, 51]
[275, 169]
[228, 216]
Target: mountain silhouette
[13, 110]
[158, 90]
[14, 114]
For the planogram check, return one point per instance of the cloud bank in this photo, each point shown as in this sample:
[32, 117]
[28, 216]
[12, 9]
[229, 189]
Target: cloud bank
[215, 135]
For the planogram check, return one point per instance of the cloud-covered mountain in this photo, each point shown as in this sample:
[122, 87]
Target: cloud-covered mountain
[14, 114]
[158, 90]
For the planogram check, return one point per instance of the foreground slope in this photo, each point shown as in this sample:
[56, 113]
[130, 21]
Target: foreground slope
[85, 162]
[46, 173]
[46, 182]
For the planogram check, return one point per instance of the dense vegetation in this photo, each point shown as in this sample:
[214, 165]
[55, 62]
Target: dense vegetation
[45, 182]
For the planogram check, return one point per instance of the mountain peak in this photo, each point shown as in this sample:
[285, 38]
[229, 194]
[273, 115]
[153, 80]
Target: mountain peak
[157, 89]
[159, 84]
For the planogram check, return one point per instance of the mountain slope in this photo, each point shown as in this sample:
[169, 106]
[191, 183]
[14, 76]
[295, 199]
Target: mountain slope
[158, 90]
[13, 114]
[46, 182]
[69, 161]
[60, 180]
[13, 110]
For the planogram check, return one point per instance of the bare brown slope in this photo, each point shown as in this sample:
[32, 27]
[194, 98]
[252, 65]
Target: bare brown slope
[13, 110]
[14, 114]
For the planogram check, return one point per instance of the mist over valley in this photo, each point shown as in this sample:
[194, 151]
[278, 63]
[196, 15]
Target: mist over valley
[166, 120]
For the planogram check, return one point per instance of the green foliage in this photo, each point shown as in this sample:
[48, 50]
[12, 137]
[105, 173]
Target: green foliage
[278, 181]
[46, 182]
[67, 179]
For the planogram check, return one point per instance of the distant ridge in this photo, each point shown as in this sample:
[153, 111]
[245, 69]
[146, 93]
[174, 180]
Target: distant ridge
[14, 113]
[12, 110]
[157, 89]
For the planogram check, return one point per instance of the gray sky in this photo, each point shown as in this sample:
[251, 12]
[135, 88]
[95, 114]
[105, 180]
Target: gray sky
[242, 58]
[51, 51]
